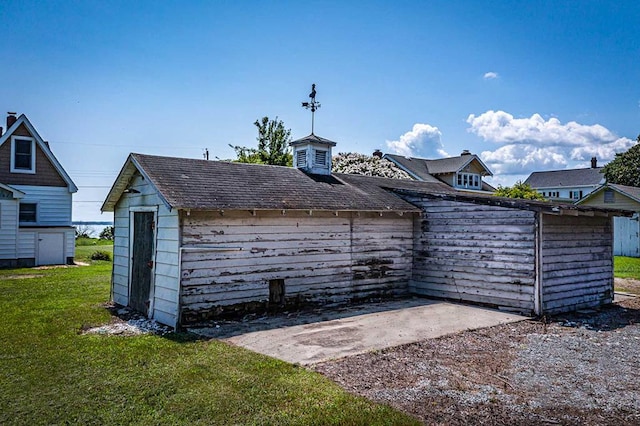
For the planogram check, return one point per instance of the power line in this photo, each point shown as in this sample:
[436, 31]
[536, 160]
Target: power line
[126, 146]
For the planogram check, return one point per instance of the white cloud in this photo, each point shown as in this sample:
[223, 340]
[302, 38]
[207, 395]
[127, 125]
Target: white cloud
[518, 159]
[534, 143]
[490, 75]
[421, 141]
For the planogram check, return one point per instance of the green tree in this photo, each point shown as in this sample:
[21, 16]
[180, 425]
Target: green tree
[518, 190]
[84, 231]
[273, 145]
[107, 233]
[625, 168]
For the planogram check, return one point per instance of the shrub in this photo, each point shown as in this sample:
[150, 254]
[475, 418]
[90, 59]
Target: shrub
[100, 255]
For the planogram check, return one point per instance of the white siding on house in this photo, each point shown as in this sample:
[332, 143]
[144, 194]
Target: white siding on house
[577, 262]
[166, 275]
[54, 204]
[26, 243]
[8, 228]
[70, 242]
[228, 260]
[476, 253]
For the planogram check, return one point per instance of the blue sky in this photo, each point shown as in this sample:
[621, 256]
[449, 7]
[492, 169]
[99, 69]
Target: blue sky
[533, 85]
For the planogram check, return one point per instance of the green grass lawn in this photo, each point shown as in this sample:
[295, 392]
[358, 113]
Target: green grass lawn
[627, 267]
[50, 373]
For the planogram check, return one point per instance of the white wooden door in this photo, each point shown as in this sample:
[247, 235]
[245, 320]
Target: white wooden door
[50, 248]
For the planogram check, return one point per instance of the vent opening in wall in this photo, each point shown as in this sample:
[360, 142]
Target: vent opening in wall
[276, 292]
[301, 158]
[321, 158]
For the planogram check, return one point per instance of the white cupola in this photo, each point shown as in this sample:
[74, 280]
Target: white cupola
[312, 154]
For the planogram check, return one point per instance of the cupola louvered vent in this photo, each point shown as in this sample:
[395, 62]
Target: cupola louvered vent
[320, 158]
[301, 158]
[313, 154]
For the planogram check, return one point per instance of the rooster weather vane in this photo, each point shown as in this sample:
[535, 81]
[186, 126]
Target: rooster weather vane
[313, 105]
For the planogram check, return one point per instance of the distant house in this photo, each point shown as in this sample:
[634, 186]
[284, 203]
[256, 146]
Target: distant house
[626, 229]
[567, 185]
[464, 172]
[35, 200]
[198, 239]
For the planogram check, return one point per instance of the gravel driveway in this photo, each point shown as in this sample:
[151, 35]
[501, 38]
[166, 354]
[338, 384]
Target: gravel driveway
[582, 368]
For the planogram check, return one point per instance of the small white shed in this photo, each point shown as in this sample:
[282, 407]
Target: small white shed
[626, 229]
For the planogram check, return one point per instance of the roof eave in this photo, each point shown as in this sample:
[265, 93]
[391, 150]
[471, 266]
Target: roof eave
[538, 206]
[122, 182]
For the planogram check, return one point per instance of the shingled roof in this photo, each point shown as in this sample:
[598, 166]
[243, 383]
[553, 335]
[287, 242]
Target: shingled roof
[566, 178]
[425, 169]
[185, 183]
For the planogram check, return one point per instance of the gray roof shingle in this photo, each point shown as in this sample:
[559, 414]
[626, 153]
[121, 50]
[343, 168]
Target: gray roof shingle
[566, 178]
[425, 169]
[186, 183]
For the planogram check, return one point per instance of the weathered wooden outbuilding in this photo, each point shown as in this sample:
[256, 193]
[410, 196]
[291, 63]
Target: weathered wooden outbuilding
[530, 256]
[196, 239]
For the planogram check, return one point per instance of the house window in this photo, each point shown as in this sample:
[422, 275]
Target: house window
[320, 158]
[28, 212]
[576, 195]
[23, 159]
[468, 180]
[301, 158]
[609, 196]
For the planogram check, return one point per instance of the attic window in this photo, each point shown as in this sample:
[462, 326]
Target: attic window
[609, 196]
[301, 158]
[468, 180]
[320, 158]
[23, 159]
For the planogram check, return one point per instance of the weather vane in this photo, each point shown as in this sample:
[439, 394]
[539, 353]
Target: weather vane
[313, 105]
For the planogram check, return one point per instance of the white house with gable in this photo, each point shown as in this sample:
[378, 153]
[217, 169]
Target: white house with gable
[35, 199]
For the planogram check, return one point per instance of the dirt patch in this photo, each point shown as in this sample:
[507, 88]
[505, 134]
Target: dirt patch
[125, 322]
[628, 285]
[575, 369]
[21, 276]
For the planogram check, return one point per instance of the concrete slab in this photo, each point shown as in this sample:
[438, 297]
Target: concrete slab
[349, 335]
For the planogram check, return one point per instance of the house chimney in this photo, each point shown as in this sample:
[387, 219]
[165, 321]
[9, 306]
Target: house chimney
[594, 162]
[377, 153]
[465, 152]
[11, 118]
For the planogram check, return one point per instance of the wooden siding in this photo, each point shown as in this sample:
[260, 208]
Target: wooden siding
[54, 204]
[577, 262]
[8, 229]
[46, 173]
[475, 253]
[227, 261]
[166, 277]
